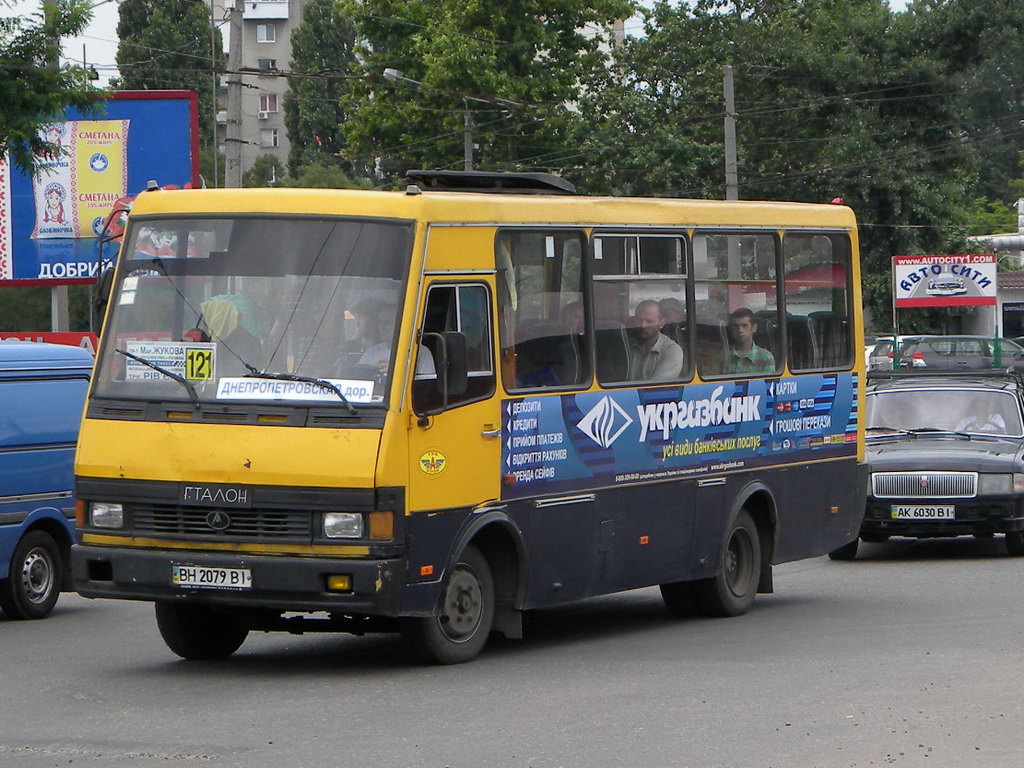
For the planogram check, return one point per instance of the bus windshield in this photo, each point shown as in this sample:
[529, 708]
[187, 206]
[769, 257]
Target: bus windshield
[253, 308]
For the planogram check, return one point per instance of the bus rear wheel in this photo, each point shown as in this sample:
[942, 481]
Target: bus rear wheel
[731, 590]
[198, 633]
[459, 630]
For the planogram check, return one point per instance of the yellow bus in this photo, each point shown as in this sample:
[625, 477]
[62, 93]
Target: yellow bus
[430, 411]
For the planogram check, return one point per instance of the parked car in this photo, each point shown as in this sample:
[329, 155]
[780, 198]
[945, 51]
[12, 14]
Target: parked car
[945, 457]
[881, 355]
[959, 353]
[42, 391]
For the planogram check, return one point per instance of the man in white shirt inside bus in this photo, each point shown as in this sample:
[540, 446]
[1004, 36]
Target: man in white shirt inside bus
[653, 356]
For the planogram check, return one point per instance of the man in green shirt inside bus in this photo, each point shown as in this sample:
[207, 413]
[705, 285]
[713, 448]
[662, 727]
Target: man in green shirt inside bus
[744, 356]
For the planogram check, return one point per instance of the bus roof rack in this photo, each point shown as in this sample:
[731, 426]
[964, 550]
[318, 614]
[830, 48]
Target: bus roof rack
[486, 181]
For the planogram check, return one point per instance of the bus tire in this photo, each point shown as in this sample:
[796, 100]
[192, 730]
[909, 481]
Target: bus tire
[731, 590]
[459, 630]
[846, 552]
[33, 583]
[198, 633]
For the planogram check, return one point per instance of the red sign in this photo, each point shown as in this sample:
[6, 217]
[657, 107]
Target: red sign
[84, 340]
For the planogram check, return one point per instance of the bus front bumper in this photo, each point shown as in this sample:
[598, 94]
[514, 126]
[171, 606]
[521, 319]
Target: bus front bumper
[278, 583]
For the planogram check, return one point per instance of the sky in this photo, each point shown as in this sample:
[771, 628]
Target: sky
[100, 39]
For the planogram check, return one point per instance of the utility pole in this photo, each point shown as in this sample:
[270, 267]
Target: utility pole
[233, 133]
[214, 75]
[59, 315]
[467, 139]
[731, 179]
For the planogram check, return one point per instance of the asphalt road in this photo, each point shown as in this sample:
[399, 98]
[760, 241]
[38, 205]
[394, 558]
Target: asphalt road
[912, 655]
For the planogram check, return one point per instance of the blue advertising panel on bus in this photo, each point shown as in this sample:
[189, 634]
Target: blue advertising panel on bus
[559, 443]
[52, 220]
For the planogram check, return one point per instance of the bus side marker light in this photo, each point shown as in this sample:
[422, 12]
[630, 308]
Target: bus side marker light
[834, 510]
[508, 479]
[339, 583]
[645, 540]
[382, 525]
[426, 570]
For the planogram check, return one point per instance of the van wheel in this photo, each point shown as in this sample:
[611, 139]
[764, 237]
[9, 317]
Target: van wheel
[1015, 543]
[198, 633]
[731, 590]
[845, 552]
[33, 584]
[463, 622]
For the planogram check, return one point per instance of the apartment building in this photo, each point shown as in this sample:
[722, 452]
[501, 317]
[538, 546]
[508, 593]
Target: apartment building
[265, 53]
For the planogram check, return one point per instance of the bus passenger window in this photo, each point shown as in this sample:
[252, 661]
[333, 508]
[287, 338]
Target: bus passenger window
[543, 323]
[736, 302]
[641, 329]
[818, 301]
[465, 309]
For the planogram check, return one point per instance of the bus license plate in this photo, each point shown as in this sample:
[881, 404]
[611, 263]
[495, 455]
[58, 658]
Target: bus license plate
[923, 512]
[211, 578]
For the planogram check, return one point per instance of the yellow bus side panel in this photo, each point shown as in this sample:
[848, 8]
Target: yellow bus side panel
[219, 453]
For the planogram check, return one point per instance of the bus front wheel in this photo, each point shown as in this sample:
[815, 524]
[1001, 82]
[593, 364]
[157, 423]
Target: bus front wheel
[459, 630]
[198, 633]
[731, 590]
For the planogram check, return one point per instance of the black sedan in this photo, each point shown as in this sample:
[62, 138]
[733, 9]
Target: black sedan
[947, 458]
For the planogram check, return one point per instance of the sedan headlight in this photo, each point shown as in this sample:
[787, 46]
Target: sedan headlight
[106, 515]
[343, 525]
[991, 484]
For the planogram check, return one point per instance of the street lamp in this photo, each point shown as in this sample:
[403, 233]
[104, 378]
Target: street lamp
[390, 73]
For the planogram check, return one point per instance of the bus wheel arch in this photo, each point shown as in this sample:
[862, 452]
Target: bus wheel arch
[760, 504]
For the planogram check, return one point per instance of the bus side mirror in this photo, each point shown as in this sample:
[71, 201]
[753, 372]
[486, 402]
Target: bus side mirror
[102, 297]
[454, 373]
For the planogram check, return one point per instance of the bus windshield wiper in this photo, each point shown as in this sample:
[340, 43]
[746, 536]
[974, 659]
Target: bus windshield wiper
[254, 374]
[169, 374]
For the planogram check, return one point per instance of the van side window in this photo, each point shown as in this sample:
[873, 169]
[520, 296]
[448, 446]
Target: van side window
[544, 341]
[736, 303]
[818, 314]
[640, 309]
[464, 309]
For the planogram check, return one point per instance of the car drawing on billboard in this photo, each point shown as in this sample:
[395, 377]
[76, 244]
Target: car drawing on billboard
[946, 286]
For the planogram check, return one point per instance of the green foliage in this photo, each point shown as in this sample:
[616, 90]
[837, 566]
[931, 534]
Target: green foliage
[211, 166]
[528, 51]
[166, 45]
[991, 217]
[265, 171]
[28, 308]
[33, 90]
[322, 51]
[325, 177]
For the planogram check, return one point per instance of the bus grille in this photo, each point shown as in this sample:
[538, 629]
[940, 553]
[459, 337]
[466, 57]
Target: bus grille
[274, 524]
[924, 485]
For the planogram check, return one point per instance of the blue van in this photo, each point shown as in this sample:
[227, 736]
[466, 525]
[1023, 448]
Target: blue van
[42, 391]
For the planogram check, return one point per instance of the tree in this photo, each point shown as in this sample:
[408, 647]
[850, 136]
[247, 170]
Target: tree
[532, 52]
[165, 44]
[324, 177]
[322, 51]
[265, 171]
[34, 90]
[834, 100]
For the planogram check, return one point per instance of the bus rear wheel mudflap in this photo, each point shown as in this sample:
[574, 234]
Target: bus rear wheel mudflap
[198, 632]
[465, 616]
[732, 588]
[34, 580]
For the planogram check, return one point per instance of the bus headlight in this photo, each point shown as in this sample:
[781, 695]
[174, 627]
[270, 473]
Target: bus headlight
[106, 515]
[343, 525]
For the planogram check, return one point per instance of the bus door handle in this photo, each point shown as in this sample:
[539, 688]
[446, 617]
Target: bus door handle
[491, 432]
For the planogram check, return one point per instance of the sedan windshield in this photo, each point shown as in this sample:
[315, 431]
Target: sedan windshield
[972, 411]
[256, 308]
